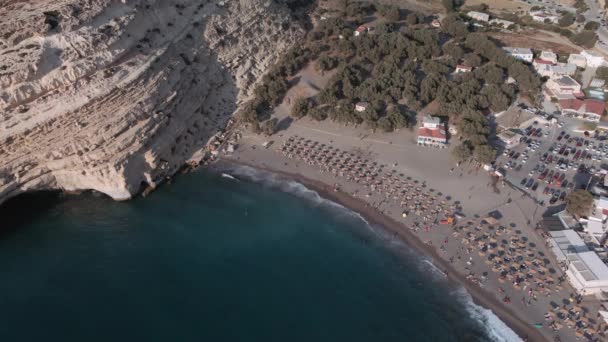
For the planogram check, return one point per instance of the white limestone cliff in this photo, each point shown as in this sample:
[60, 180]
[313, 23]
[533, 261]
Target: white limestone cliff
[112, 94]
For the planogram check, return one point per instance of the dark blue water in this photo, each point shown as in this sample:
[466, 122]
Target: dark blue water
[212, 259]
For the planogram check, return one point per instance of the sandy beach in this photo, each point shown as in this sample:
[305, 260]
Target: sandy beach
[395, 228]
[528, 302]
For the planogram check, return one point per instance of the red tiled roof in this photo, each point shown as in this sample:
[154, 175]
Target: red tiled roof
[431, 133]
[605, 211]
[362, 28]
[594, 106]
[542, 61]
[579, 95]
[571, 104]
[591, 106]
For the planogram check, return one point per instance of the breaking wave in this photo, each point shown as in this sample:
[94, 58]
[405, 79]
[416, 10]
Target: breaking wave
[496, 329]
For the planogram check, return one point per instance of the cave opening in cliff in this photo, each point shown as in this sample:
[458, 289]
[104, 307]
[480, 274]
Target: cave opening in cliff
[22, 209]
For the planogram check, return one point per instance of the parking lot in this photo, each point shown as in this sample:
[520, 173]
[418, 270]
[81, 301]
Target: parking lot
[549, 161]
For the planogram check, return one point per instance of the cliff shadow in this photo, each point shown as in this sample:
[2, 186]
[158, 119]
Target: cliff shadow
[26, 208]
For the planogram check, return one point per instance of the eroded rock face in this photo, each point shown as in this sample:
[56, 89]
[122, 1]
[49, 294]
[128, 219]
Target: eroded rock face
[107, 94]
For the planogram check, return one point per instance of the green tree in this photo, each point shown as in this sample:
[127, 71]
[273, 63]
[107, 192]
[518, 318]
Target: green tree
[269, 127]
[472, 59]
[411, 19]
[454, 50]
[485, 154]
[389, 12]
[585, 39]
[461, 152]
[326, 62]
[385, 124]
[453, 25]
[602, 72]
[566, 20]
[592, 25]
[317, 113]
[300, 108]
[579, 202]
[255, 127]
[448, 5]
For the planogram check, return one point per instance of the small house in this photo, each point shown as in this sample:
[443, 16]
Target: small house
[362, 30]
[548, 56]
[578, 60]
[522, 54]
[479, 16]
[432, 132]
[593, 58]
[361, 106]
[509, 139]
[436, 23]
[460, 68]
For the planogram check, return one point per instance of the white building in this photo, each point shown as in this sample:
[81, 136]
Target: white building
[543, 67]
[509, 139]
[463, 68]
[549, 56]
[593, 58]
[585, 270]
[597, 83]
[361, 106]
[501, 22]
[479, 16]
[561, 69]
[563, 87]
[523, 54]
[432, 132]
[595, 225]
[544, 17]
[578, 60]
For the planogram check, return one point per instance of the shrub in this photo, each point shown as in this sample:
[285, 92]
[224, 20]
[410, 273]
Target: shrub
[592, 25]
[566, 20]
[585, 39]
[269, 127]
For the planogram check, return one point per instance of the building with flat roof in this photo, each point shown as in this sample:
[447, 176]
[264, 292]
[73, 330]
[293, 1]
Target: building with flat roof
[460, 68]
[587, 273]
[548, 56]
[593, 58]
[509, 139]
[478, 16]
[544, 17]
[563, 87]
[523, 54]
[578, 60]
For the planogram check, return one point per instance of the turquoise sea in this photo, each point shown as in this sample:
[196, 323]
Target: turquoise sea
[209, 258]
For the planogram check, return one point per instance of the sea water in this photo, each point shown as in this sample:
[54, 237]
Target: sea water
[211, 258]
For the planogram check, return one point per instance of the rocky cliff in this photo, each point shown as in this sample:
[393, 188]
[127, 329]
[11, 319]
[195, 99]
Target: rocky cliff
[111, 95]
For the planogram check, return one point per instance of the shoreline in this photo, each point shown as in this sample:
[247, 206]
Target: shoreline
[480, 296]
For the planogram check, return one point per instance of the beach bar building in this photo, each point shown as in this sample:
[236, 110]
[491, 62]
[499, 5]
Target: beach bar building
[432, 132]
[587, 273]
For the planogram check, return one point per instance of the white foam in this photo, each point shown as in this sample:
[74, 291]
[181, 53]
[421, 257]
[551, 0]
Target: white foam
[496, 329]
[275, 181]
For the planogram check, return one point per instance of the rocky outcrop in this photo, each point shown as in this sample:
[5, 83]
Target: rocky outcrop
[109, 95]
